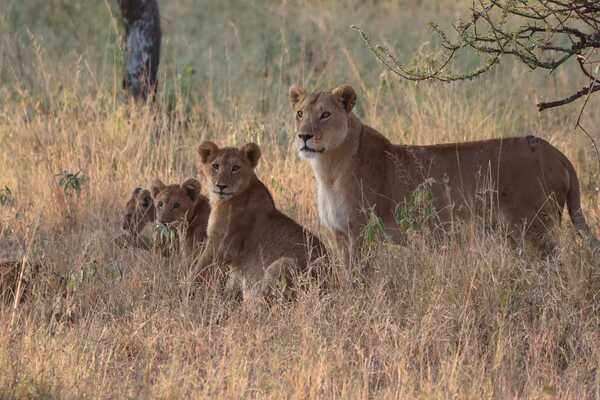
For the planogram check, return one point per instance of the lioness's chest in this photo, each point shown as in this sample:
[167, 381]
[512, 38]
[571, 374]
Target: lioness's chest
[333, 208]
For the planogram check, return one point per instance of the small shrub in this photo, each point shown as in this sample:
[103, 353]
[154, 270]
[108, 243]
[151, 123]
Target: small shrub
[71, 183]
[418, 209]
[7, 197]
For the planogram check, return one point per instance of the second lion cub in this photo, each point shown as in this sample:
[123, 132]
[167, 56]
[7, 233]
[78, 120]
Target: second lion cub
[246, 232]
[177, 204]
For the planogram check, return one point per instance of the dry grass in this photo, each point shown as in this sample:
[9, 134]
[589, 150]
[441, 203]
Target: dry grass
[465, 318]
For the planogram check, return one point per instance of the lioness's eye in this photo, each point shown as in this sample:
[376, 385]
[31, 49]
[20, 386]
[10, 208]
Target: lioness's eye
[160, 204]
[235, 168]
[299, 114]
[325, 115]
[215, 167]
[176, 205]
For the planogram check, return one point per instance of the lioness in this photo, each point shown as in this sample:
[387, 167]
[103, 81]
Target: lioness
[357, 168]
[177, 204]
[245, 230]
[139, 212]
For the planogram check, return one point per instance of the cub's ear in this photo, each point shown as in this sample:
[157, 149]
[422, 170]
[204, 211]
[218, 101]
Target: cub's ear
[252, 153]
[346, 95]
[146, 199]
[296, 94]
[136, 191]
[208, 151]
[156, 187]
[192, 188]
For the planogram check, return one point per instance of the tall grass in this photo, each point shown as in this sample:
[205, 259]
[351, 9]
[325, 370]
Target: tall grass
[463, 317]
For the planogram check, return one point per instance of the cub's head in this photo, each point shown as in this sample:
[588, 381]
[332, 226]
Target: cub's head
[229, 171]
[322, 118]
[172, 202]
[139, 211]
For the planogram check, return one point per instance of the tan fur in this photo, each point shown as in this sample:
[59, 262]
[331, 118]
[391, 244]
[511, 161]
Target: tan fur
[528, 180]
[183, 205]
[246, 231]
[139, 212]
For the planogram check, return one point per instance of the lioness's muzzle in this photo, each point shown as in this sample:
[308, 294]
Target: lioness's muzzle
[305, 138]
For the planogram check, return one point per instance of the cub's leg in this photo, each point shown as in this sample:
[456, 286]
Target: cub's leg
[126, 240]
[233, 287]
[264, 287]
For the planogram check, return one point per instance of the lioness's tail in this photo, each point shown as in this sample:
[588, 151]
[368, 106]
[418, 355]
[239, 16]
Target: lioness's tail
[574, 205]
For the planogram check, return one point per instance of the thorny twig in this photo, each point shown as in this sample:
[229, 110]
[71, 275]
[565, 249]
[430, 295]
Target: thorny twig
[542, 34]
[592, 86]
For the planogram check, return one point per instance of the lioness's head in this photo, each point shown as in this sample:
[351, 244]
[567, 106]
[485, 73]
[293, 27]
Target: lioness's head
[322, 118]
[139, 211]
[229, 170]
[174, 201]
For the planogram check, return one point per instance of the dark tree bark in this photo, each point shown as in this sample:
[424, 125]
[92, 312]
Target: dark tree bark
[142, 46]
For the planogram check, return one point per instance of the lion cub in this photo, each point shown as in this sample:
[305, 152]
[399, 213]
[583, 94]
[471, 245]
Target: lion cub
[177, 204]
[139, 212]
[246, 231]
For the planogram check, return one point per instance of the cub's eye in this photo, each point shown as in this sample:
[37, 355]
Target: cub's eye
[325, 115]
[299, 114]
[146, 203]
[215, 167]
[176, 205]
[235, 168]
[160, 204]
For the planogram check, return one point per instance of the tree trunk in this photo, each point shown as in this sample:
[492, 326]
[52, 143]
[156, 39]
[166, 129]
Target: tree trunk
[142, 47]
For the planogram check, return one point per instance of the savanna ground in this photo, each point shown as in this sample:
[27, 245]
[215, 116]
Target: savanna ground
[463, 317]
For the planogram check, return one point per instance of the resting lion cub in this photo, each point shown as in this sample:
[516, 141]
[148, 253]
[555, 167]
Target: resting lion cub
[246, 231]
[139, 212]
[528, 180]
[176, 204]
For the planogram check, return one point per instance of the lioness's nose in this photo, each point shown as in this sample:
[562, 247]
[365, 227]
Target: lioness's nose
[305, 136]
[221, 187]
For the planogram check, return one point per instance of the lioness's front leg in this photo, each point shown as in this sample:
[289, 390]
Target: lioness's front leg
[345, 243]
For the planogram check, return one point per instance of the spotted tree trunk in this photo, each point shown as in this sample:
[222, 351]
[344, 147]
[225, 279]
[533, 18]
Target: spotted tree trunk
[142, 47]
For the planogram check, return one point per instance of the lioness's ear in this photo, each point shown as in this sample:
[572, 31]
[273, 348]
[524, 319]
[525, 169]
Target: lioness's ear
[208, 151]
[192, 188]
[346, 95]
[156, 187]
[252, 153]
[296, 94]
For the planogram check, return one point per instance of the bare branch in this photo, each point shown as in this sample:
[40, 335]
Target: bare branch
[570, 99]
[542, 34]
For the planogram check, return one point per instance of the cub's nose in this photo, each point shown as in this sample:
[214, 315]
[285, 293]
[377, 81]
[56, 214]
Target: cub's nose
[221, 187]
[305, 136]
